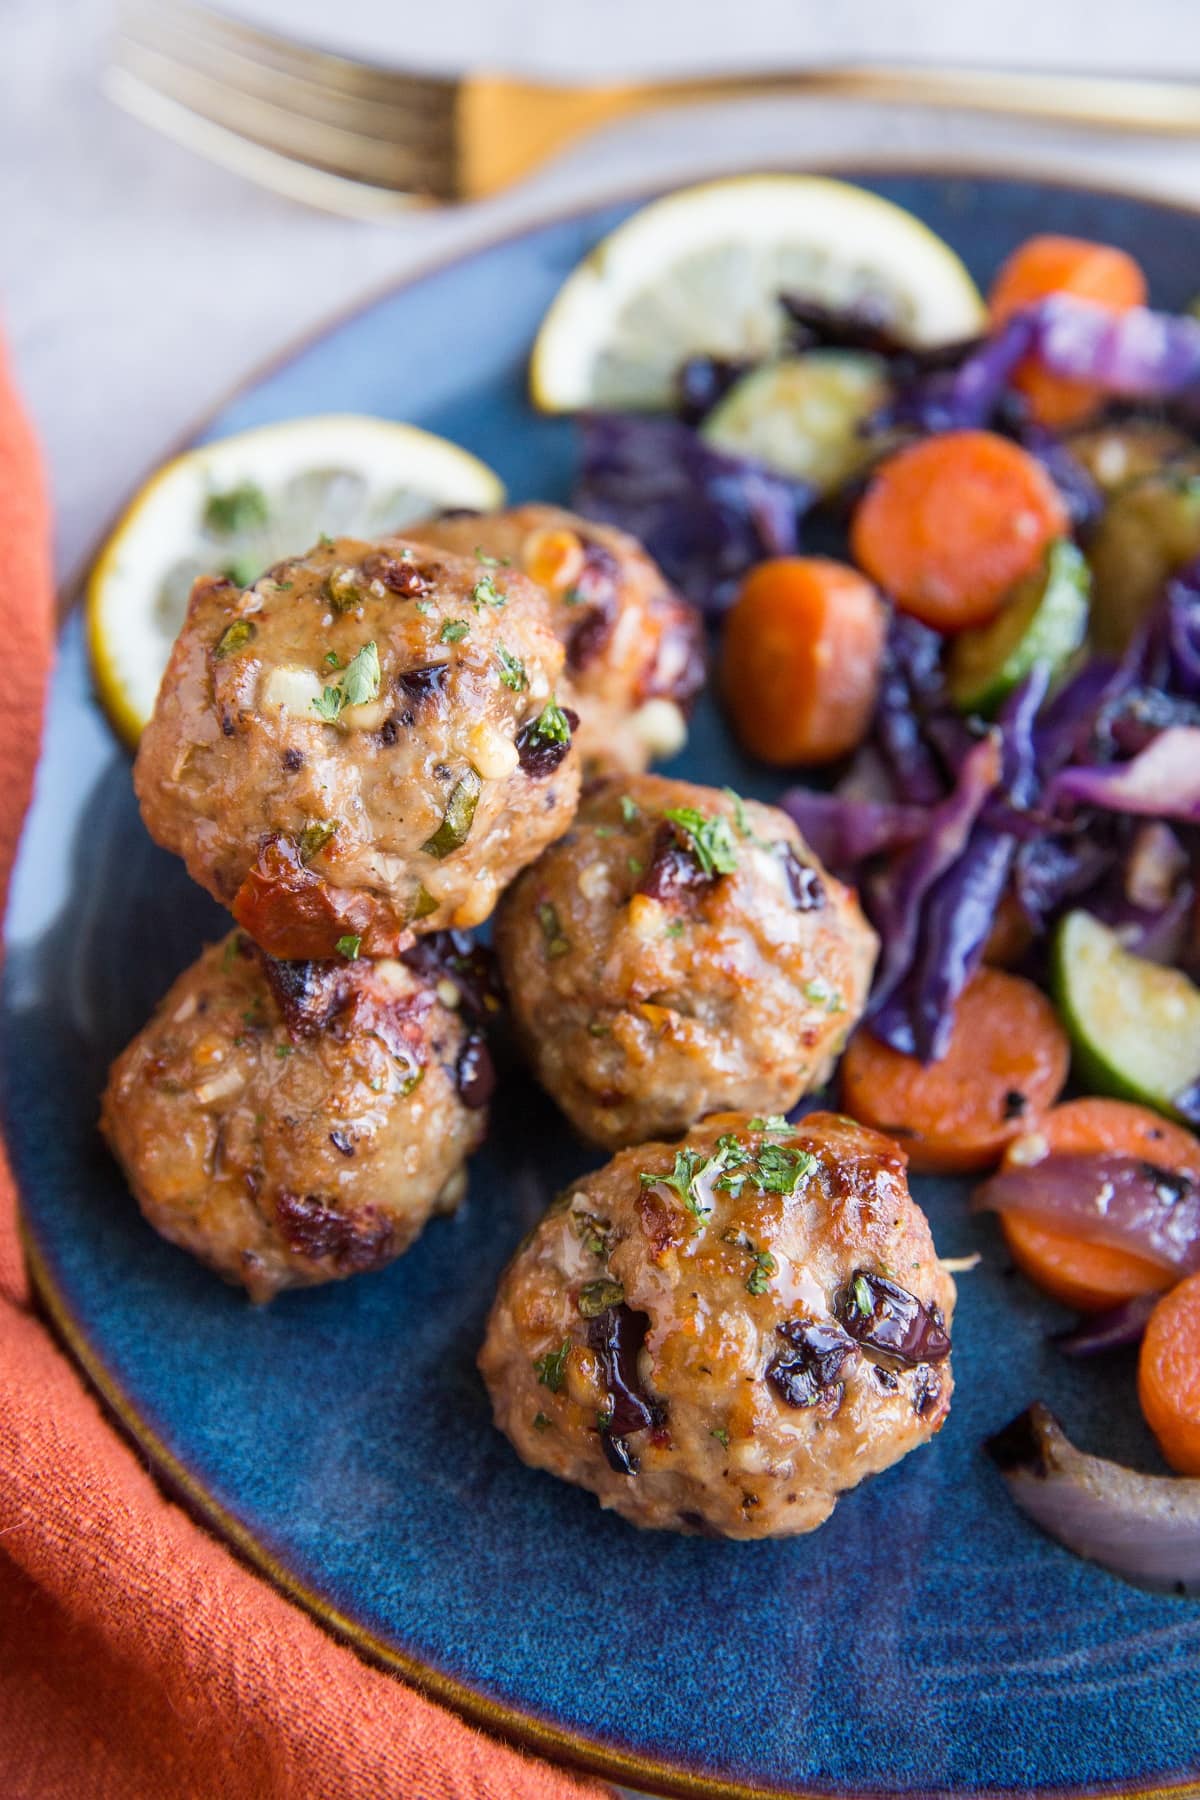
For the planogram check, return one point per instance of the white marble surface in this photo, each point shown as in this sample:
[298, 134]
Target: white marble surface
[139, 283]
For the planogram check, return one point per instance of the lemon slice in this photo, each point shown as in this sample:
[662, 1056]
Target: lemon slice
[700, 273]
[237, 506]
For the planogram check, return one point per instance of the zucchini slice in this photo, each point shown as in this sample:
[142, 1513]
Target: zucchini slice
[1134, 1025]
[1044, 620]
[801, 415]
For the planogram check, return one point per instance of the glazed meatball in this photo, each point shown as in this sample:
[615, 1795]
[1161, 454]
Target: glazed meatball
[635, 648]
[292, 1123]
[368, 739]
[679, 952]
[724, 1335]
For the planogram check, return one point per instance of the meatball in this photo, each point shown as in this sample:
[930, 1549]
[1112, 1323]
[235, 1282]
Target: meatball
[635, 648]
[724, 1335]
[680, 951]
[368, 739]
[292, 1123]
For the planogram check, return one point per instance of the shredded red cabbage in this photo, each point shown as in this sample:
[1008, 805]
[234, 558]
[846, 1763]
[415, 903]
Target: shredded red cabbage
[704, 516]
[1162, 781]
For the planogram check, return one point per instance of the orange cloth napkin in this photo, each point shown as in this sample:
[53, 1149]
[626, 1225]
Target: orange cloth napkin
[137, 1657]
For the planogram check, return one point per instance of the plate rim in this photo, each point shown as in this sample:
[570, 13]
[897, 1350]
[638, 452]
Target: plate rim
[72, 589]
[588, 1756]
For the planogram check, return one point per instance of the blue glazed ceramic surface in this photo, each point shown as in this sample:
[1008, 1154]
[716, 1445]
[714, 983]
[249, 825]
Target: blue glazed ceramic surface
[927, 1640]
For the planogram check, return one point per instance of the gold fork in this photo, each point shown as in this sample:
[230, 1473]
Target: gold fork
[364, 138]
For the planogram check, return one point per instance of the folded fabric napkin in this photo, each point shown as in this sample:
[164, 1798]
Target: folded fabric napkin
[137, 1657]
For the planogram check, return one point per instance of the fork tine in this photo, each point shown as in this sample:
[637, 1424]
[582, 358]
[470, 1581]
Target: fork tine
[400, 133]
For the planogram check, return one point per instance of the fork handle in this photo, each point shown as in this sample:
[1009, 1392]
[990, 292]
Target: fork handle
[508, 128]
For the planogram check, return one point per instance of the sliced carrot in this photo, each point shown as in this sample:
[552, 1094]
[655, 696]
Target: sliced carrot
[948, 525]
[1007, 1062]
[1063, 265]
[802, 650]
[1089, 1276]
[1169, 1375]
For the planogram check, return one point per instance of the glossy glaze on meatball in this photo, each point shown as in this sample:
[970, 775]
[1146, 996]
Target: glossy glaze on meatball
[679, 952]
[292, 1123]
[635, 648]
[370, 739]
[726, 1334]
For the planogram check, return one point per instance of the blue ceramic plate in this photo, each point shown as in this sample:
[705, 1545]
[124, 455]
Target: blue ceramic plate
[926, 1641]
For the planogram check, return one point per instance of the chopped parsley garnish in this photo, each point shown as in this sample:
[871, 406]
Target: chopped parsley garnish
[454, 631]
[690, 1165]
[244, 570]
[490, 562]
[636, 868]
[512, 670]
[314, 837]
[557, 943]
[359, 683]
[332, 660]
[675, 928]
[731, 1167]
[458, 817]
[592, 1232]
[240, 508]
[764, 1266]
[631, 812]
[540, 1422]
[232, 951]
[342, 587]
[235, 637]
[721, 1435]
[774, 1122]
[551, 725]
[324, 540]
[709, 840]
[551, 1369]
[821, 994]
[349, 946]
[282, 1050]
[425, 607]
[596, 1297]
[860, 1296]
[572, 596]
[486, 593]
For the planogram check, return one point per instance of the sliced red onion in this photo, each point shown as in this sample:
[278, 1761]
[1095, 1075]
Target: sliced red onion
[1163, 780]
[1115, 1329]
[1154, 866]
[1144, 1527]
[1117, 1200]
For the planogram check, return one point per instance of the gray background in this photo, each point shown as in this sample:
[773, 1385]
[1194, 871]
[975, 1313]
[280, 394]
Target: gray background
[139, 283]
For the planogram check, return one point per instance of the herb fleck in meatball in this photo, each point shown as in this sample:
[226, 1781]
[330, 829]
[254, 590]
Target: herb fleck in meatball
[724, 1335]
[679, 952]
[367, 740]
[292, 1123]
[635, 648]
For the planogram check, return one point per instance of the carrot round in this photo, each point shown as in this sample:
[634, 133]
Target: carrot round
[1169, 1375]
[802, 649]
[1063, 265]
[1088, 1276]
[1007, 1062]
[950, 524]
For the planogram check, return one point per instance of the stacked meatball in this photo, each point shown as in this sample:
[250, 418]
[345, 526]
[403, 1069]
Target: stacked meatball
[361, 756]
[357, 751]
